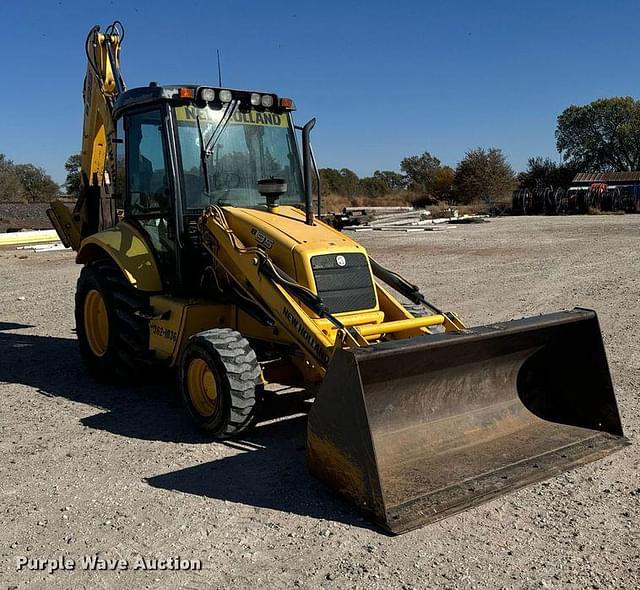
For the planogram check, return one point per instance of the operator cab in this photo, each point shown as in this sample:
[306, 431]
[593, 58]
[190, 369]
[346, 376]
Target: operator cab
[181, 149]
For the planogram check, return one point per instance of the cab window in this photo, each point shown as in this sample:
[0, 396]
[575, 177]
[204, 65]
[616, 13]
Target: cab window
[146, 170]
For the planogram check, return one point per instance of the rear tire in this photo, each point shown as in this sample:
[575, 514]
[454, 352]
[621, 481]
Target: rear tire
[114, 341]
[220, 382]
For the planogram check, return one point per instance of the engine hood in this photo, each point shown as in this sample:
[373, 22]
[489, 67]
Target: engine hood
[289, 241]
[286, 224]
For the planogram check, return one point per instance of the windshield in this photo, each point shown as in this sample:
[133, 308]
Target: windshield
[252, 146]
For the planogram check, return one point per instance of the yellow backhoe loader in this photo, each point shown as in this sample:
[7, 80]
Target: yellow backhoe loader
[201, 252]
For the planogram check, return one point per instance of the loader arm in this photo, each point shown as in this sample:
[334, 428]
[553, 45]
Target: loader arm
[291, 305]
[242, 265]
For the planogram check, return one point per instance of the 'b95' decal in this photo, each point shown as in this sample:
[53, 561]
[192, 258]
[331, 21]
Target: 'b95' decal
[262, 240]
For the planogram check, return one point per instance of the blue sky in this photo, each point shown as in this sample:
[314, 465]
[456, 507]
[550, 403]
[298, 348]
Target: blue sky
[384, 79]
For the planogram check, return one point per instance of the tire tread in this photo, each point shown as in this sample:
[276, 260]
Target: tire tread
[242, 374]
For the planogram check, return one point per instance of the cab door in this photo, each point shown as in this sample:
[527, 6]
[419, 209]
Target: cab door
[148, 193]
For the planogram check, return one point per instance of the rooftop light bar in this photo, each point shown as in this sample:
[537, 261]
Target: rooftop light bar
[225, 96]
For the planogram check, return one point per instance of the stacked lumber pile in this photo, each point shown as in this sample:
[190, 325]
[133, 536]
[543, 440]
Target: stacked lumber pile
[397, 219]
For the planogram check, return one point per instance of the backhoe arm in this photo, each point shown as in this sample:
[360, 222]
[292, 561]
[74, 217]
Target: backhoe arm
[95, 208]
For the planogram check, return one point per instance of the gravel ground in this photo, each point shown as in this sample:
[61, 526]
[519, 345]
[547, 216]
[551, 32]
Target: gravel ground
[88, 469]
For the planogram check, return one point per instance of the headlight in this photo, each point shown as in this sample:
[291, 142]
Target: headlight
[267, 100]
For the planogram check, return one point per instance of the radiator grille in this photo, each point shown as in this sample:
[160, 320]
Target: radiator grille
[346, 287]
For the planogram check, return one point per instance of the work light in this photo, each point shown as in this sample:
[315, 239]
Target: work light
[208, 94]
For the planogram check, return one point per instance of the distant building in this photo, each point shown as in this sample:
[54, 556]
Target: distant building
[611, 179]
[609, 191]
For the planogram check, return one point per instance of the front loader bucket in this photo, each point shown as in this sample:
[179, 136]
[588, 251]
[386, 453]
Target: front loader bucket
[417, 430]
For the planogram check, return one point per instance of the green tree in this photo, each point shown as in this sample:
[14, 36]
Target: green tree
[338, 182]
[350, 183]
[11, 188]
[373, 186]
[37, 184]
[394, 181]
[420, 171]
[545, 173]
[330, 181]
[343, 182]
[443, 182]
[602, 135]
[72, 182]
[483, 174]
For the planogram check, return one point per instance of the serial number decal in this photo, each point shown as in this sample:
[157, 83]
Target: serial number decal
[261, 239]
[317, 348]
[163, 332]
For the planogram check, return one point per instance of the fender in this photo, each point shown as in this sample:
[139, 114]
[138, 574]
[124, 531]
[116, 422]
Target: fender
[129, 250]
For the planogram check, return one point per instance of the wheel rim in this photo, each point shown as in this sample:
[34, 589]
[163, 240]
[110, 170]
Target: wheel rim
[202, 387]
[96, 323]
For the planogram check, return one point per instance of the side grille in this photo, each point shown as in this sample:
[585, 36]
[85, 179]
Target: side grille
[346, 287]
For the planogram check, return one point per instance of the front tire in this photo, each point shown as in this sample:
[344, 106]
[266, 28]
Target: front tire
[220, 382]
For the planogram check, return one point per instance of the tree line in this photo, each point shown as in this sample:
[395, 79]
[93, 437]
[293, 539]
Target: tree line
[483, 174]
[601, 136]
[25, 183]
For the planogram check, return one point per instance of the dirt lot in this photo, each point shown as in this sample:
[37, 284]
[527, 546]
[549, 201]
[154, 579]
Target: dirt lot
[89, 469]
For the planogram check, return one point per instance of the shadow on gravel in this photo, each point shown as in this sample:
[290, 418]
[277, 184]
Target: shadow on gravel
[270, 473]
[13, 326]
[53, 367]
